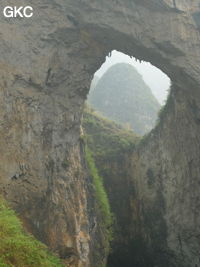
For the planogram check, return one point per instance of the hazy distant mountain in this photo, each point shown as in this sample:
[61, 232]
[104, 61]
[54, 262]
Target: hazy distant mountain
[158, 81]
[122, 95]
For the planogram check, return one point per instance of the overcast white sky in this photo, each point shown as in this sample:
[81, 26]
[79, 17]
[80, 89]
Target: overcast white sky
[154, 78]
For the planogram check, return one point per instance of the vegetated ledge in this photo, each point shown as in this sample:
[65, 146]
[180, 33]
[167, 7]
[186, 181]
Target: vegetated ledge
[105, 138]
[111, 145]
[106, 142]
[113, 148]
[18, 248]
[106, 217]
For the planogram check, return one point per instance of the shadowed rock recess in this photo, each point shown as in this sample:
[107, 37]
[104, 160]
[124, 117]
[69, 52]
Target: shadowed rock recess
[46, 66]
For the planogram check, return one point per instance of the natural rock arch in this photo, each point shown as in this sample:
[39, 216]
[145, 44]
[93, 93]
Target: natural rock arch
[39, 133]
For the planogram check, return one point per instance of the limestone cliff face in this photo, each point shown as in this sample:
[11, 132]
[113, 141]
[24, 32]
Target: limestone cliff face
[46, 65]
[166, 175]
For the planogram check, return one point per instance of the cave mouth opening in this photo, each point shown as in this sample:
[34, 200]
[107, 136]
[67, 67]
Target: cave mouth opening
[129, 92]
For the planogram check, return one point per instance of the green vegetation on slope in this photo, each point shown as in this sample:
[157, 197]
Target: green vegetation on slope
[111, 144]
[122, 95]
[102, 199]
[19, 249]
[107, 142]
[105, 138]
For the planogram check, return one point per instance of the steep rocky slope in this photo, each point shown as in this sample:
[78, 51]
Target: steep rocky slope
[111, 145]
[122, 95]
[167, 184]
[17, 248]
[46, 66]
[140, 229]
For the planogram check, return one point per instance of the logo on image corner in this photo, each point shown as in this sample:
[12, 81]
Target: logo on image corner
[14, 12]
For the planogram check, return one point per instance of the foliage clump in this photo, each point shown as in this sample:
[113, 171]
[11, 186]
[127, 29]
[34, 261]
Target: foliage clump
[19, 249]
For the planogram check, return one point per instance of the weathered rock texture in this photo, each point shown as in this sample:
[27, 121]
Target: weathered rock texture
[46, 65]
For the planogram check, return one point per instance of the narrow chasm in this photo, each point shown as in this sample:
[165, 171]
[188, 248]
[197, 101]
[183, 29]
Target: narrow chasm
[123, 111]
